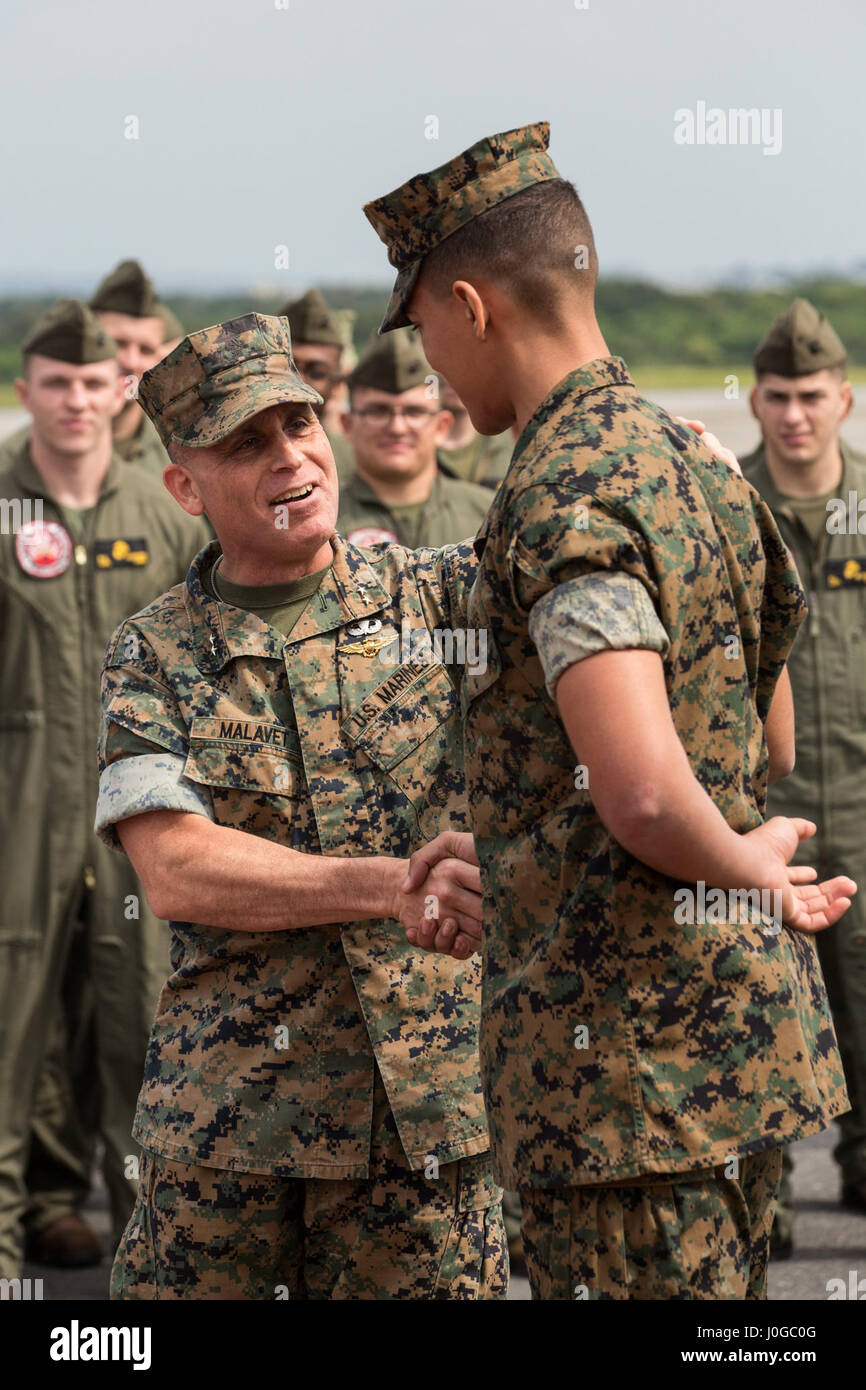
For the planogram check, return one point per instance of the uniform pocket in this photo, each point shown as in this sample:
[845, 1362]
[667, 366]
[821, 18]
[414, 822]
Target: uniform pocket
[253, 771]
[474, 1263]
[414, 739]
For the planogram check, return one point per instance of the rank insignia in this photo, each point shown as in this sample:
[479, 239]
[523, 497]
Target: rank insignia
[121, 554]
[845, 574]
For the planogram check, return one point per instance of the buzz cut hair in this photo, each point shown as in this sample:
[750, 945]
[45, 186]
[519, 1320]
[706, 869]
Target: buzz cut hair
[537, 245]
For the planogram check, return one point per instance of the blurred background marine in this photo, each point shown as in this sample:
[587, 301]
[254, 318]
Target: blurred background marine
[395, 424]
[800, 400]
[321, 337]
[127, 307]
[82, 957]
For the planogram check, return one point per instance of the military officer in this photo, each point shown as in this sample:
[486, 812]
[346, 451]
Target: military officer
[311, 1107]
[91, 540]
[394, 425]
[130, 312]
[466, 454]
[319, 345]
[808, 475]
[639, 605]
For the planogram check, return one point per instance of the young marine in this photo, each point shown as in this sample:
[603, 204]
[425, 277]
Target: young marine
[641, 1066]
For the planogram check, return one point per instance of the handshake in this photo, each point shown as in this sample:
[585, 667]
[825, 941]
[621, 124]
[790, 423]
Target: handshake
[437, 896]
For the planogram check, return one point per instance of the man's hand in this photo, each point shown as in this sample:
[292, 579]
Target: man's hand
[806, 906]
[451, 844]
[445, 913]
[712, 442]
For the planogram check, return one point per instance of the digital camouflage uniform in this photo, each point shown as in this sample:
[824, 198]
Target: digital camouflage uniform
[639, 1074]
[828, 676]
[73, 921]
[453, 509]
[304, 1088]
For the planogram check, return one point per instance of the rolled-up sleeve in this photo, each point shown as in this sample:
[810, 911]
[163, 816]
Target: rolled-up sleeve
[147, 782]
[595, 612]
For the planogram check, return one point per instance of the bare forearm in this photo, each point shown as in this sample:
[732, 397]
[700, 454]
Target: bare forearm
[195, 871]
[677, 830]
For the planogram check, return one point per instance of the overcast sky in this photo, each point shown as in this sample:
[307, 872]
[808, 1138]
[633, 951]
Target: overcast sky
[261, 126]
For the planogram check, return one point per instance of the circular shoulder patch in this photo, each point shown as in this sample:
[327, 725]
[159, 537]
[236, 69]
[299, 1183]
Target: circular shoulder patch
[43, 549]
[372, 535]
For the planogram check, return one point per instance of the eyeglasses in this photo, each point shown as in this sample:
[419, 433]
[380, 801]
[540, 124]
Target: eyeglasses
[318, 372]
[414, 415]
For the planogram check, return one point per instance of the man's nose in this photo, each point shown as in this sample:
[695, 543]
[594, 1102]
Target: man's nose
[285, 451]
[76, 395]
[794, 411]
[398, 423]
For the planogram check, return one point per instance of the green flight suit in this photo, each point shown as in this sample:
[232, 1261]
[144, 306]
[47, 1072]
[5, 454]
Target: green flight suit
[453, 511]
[344, 456]
[828, 676]
[483, 460]
[62, 593]
[143, 447]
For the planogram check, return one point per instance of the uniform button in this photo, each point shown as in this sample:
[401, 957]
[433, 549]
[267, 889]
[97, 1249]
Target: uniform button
[81, 555]
[89, 877]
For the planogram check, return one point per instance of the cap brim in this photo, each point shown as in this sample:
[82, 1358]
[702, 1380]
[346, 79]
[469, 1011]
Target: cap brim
[395, 314]
[225, 414]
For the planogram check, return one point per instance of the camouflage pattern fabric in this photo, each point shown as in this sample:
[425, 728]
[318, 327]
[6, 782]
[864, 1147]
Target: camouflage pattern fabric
[595, 613]
[262, 1053]
[426, 209]
[701, 1236]
[206, 1234]
[615, 1041]
[217, 378]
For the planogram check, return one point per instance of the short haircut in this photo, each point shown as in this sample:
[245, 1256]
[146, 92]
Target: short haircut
[840, 372]
[534, 244]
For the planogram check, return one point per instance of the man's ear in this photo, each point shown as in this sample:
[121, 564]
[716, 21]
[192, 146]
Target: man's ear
[753, 396]
[846, 400]
[120, 397]
[443, 427]
[182, 487]
[21, 390]
[473, 306]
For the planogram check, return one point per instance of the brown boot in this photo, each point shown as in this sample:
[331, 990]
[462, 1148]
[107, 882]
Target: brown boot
[68, 1243]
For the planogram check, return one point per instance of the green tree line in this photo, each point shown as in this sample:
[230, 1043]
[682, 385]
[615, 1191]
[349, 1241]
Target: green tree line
[642, 322]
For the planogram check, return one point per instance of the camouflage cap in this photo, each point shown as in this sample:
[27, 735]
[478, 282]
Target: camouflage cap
[171, 324]
[799, 341]
[127, 290]
[430, 207]
[217, 378]
[70, 332]
[393, 363]
[311, 321]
